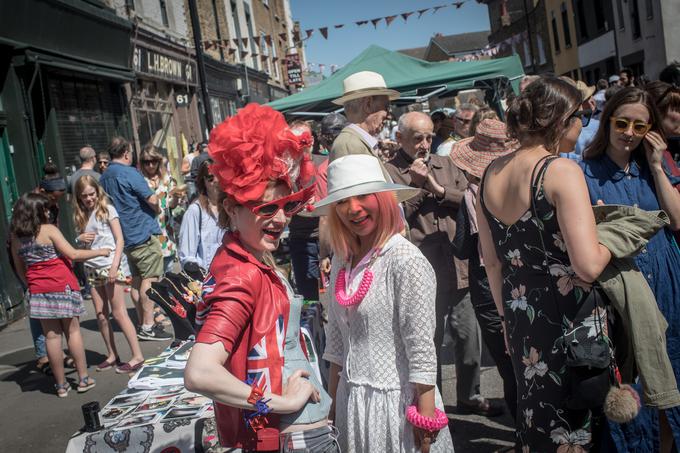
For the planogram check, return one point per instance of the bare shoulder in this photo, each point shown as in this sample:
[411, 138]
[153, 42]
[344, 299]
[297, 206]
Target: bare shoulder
[563, 177]
[562, 171]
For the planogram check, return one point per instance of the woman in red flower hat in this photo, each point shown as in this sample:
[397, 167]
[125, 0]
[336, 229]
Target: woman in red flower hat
[248, 356]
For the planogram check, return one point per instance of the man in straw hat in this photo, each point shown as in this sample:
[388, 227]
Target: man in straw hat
[431, 217]
[366, 99]
[472, 156]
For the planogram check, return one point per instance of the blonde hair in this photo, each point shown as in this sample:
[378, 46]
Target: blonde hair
[388, 219]
[80, 214]
[150, 152]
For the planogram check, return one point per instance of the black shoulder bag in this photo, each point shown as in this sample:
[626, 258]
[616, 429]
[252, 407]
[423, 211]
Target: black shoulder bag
[588, 358]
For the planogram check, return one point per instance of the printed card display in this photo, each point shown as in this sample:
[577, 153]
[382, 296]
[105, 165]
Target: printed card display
[139, 420]
[183, 412]
[127, 400]
[113, 414]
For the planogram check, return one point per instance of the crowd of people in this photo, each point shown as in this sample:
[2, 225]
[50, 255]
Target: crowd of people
[547, 231]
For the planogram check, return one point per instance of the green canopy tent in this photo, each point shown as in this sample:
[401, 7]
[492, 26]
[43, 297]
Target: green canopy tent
[415, 79]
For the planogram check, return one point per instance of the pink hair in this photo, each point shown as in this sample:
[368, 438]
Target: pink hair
[388, 219]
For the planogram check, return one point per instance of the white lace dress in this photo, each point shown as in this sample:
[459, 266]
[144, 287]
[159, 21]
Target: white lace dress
[385, 346]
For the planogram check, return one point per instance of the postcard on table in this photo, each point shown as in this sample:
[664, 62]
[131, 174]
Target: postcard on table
[139, 420]
[153, 405]
[183, 412]
[113, 414]
[127, 400]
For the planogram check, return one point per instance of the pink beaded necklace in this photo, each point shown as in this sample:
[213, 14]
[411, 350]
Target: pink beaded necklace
[341, 295]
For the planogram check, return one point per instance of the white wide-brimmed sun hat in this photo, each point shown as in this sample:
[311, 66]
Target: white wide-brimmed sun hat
[362, 84]
[358, 174]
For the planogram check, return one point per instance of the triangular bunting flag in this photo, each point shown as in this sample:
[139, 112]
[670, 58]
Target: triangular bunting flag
[457, 4]
[275, 59]
[339, 26]
[254, 54]
[245, 42]
[309, 32]
[324, 32]
[375, 22]
[232, 51]
[406, 15]
[422, 11]
[437, 8]
[244, 54]
[207, 45]
[389, 20]
[361, 22]
[283, 36]
[235, 41]
[257, 40]
[268, 40]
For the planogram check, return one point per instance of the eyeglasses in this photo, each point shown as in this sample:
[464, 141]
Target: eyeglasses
[291, 204]
[621, 125]
[104, 163]
[583, 115]
[464, 120]
[150, 162]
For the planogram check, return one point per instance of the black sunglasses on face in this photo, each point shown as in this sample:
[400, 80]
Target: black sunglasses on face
[583, 115]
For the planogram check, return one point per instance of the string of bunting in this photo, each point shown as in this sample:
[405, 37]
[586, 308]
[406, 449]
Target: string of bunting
[268, 39]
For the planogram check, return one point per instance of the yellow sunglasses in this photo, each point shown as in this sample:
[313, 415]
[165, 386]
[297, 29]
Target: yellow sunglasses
[621, 125]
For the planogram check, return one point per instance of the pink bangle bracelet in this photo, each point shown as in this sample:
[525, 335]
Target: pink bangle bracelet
[432, 424]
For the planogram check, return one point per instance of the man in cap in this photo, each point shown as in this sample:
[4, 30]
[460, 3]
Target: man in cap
[431, 217]
[366, 100]
[88, 159]
[614, 80]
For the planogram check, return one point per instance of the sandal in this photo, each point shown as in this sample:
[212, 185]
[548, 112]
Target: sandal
[106, 365]
[62, 389]
[86, 384]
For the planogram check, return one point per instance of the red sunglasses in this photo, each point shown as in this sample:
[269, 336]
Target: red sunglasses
[291, 204]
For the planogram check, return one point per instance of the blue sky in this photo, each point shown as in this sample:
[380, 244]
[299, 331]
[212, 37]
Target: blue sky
[346, 43]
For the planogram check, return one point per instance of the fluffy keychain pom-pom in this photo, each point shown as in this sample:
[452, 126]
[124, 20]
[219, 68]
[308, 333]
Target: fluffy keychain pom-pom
[622, 404]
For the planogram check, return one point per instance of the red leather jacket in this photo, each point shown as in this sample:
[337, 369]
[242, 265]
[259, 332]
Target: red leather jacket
[245, 307]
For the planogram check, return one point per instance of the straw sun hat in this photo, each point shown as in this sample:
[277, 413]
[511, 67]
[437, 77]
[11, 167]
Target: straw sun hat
[358, 174]
[363, 84]
[490, 142]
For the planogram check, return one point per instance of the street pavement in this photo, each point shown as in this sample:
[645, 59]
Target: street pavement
[33, 419]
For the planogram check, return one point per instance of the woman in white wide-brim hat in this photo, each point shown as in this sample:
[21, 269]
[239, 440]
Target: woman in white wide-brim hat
[379, 337]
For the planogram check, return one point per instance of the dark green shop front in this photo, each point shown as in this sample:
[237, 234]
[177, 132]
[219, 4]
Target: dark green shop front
[63, 67]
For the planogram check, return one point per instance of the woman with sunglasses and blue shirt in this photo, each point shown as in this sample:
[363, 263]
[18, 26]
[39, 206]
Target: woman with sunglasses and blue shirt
[623, 165]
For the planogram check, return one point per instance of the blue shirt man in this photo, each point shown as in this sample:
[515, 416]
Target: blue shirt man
[129, 193]
[137, 206]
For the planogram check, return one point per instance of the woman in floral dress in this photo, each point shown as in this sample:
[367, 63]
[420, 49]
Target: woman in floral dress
[539, 297]
[162, 184]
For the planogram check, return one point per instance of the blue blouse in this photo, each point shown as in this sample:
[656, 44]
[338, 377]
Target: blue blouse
[199, 237]
[659, 262]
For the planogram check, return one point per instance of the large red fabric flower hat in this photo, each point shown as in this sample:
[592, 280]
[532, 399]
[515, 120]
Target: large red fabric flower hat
[254, 147]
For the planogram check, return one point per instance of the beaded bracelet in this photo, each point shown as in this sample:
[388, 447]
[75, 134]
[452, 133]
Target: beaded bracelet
[431, 424]
[256, 419]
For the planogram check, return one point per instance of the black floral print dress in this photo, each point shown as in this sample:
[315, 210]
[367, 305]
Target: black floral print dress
[535, 322]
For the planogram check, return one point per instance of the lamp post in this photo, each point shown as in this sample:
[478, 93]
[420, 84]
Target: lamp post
[196, 25]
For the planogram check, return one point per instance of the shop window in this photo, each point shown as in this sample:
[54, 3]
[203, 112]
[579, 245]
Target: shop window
[556, 37]
[87, 112]
[565, 26]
